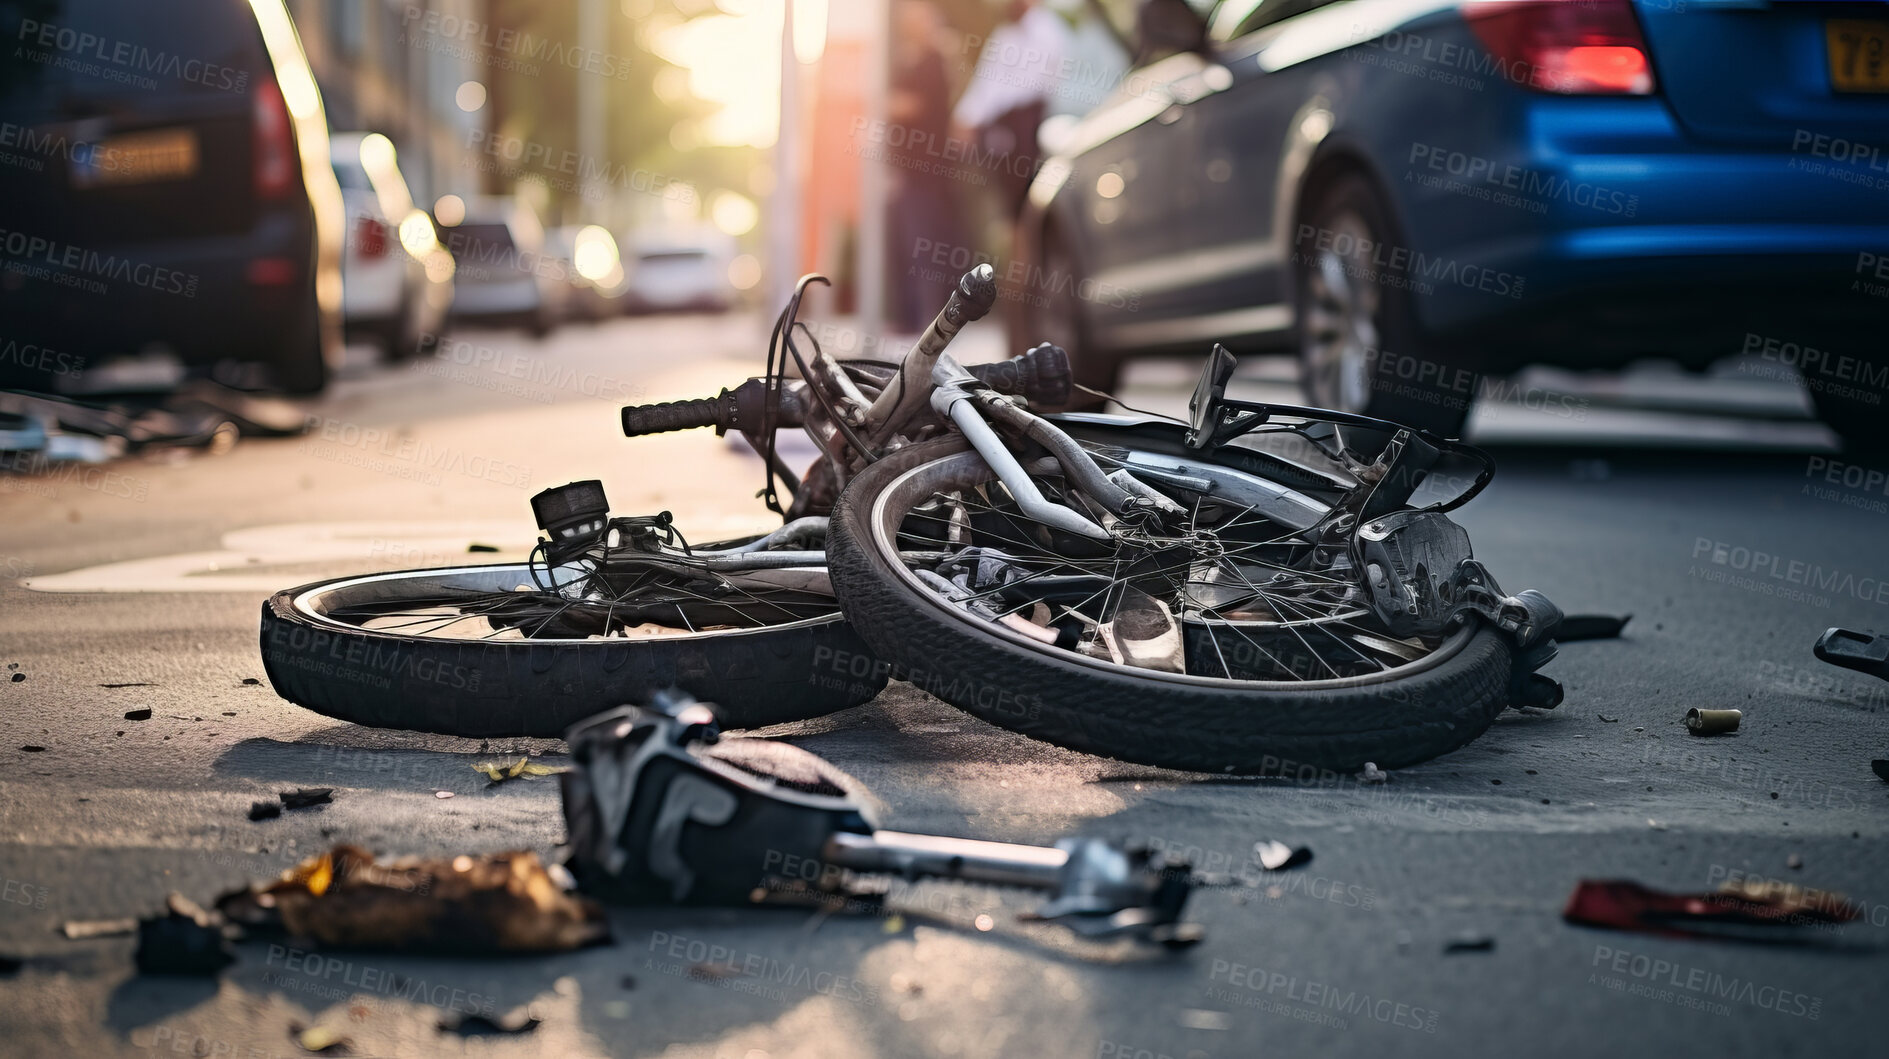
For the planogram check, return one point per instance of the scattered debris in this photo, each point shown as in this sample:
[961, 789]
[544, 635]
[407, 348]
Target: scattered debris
[499, 902]
[1373, 774]
[320, 1040]
[1712, 722]
[481, 548]
[1204, 1019]
[1590, 627]
[1620, 904]
[81, 929]
[627, 982]
[264, 810]
[1794, 862]
[132, 684]
[1606, 719]
[1881, 767]
[17, 677]
[476, 1025]
[442, 794]
[524, 766]
[142, 713]
[306, 796]
[1277, 856]
[1469, 943]
[186, 939]
[33, 748]
[1860, 651]
[251, 681]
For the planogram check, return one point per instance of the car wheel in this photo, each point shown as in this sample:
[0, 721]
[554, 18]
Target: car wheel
[1360, 348]
[1855, 413]
[1056, 317]
[304, 370]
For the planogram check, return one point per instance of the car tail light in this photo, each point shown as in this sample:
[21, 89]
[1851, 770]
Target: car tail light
[370, 237]
[1574, 47]
[276, 163]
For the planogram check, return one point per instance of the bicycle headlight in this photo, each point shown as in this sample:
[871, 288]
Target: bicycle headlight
[573, 517]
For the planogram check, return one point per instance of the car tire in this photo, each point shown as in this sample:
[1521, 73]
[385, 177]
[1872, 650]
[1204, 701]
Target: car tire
[1360, 347]
[1856, 413]
[1056, 317]
[304, 370]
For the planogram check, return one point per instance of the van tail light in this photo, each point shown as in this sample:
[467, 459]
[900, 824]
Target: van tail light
[274, 137]
[370, 238]
[1571, 47]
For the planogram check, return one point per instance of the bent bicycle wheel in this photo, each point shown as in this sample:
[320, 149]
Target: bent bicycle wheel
[1271, 664]
[484, 651]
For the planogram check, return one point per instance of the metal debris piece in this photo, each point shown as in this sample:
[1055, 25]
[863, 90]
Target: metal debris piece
[1621, 904]
[305, 797]
[1277, 856]
[661, 809]
[524, 766]
[1712, 722]
[345, 898]
[186, 939]
[81, 929]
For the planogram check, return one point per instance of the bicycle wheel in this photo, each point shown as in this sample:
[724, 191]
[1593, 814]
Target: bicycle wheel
[484, 651]
[1278, 668]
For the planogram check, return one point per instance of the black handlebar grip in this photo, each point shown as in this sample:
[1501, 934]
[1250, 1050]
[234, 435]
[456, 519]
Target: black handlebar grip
[976, 292]
[717, 412]
[1041, 376]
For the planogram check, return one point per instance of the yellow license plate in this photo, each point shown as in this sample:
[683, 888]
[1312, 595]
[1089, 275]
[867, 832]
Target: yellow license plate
[1859, 55]
[137, 158]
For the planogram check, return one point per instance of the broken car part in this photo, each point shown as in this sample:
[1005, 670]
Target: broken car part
[660, 809]
[1621, 904]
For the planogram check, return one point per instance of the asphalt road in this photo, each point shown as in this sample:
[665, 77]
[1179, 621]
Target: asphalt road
[146, 575]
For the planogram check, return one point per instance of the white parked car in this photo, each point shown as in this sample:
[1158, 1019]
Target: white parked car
[503, 270]
[679, 271]
[396, 278]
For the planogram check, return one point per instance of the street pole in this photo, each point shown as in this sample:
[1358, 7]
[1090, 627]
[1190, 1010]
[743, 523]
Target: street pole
[870, 244]
[591, 29]
[784, 218]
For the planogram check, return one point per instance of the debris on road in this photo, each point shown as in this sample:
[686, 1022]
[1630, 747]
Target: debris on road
[305, 797]
[1590, 627]
[499, 902]
[319, 1040]
[1277, 856]
[524, 766]
[442, 794]
[1373, 774]
[1861, 651]
[17, 677]
[186, 939]
[142, 713]
[1881, 767]
[1621, 904]
[81, 929]
[1712, 722]
[1606, 719]
[264, 810]
[1794, 862]
[477, 1025]
[661, 810]
[1469, 943]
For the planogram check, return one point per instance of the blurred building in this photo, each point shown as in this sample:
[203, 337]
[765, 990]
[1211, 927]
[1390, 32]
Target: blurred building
[396, 67]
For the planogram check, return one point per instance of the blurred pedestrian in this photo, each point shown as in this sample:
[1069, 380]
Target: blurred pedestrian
[1009, 95]
[923, 199]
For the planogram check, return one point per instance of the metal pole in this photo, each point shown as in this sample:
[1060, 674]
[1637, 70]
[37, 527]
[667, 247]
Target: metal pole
[870, 247]
[784, 219]
[592, 30]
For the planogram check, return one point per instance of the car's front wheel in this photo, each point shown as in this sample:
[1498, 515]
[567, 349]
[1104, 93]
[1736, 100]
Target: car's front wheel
[1360, 347]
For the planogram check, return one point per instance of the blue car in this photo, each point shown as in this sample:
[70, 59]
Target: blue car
[1412, 194]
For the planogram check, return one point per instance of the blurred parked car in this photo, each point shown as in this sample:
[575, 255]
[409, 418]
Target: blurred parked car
[502, 272]
[597, 281]
[682, 270]
[182, 207]
[396, 278]
[1406, 192]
